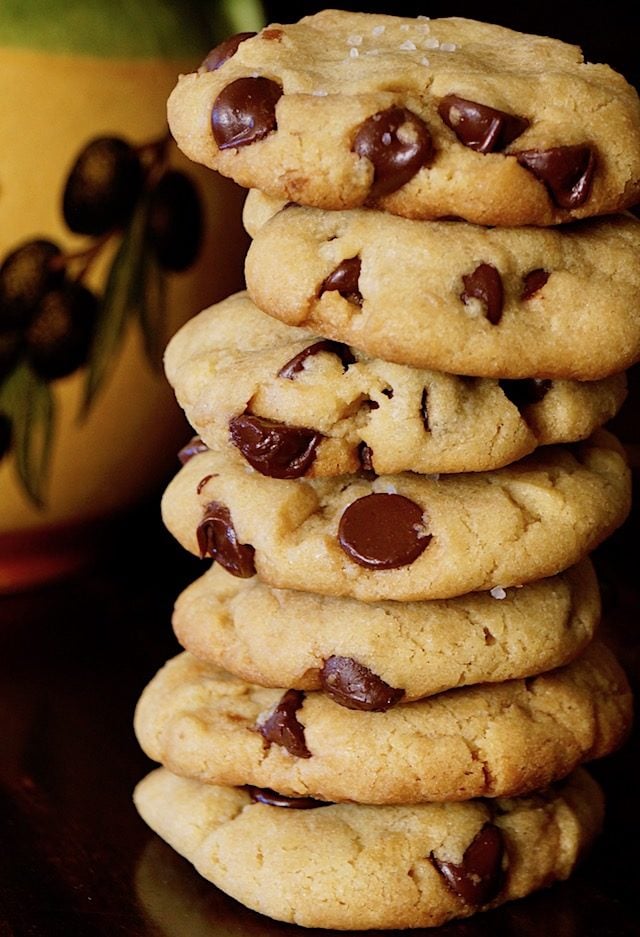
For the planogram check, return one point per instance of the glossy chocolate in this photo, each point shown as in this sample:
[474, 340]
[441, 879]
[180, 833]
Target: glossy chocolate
[274, 449]
[479, 126]
[218, 539]
[264, 795]
[567, 172]
[485, 284]
[223, 52]
[296, 364]
[383, 531]
[524, 392]
[424, 409]
[245, 112]
[281, 727]
[194, 447]
[398, 144]
[478, 878]
[532, 282]
[345, 280]
[354, 686]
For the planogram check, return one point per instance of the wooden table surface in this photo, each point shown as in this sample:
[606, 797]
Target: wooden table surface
[75, 859]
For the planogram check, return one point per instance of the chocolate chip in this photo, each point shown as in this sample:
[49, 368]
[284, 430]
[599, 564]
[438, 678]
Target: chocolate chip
[485, 284]
[525, 392]
[365, 455]
[264, 795]
[282, 727]
[383, 531]
[296, 364]
[218, 539]
[388, 392]
[423, 409]
[355, 686]
[478, 879]
[224, 51]
[532, 282]
[398, 144]
[245, 112]
[273, 34]
[274, 449]
[567, 172]
[479, 126]
[193, 447]
[345, 280]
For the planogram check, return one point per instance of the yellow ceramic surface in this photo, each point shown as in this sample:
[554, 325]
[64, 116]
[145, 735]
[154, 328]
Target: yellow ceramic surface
[105, 459]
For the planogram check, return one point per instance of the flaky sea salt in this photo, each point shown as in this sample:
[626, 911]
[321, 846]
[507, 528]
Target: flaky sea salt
[319, 93]
[498, 592]
[408, 46]
[424, 60]
[353, 52]
[354, 40]
[448, 47]
[378, 30]
[432, 43]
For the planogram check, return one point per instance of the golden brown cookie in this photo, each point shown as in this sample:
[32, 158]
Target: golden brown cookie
[423, 118]
[372, 656]
[348, 866]
[490, 740]
[492, 302]
[406, 537]
[292, 404]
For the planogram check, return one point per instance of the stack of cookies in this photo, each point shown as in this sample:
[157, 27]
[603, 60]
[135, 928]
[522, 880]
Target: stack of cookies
[392, 678]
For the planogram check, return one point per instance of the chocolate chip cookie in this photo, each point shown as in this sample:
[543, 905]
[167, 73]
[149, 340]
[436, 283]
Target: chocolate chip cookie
[293, 404]
[502, 303]
[422, 118]
[490, 740]
[401, 866]
[406, 537]
[373, 656]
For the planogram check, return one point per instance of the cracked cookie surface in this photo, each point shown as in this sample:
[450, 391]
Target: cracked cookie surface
[409, 866]
[422, 118]
[278, 637]
[406, 537]
[490, 302]
[490, 740]
[292, 404]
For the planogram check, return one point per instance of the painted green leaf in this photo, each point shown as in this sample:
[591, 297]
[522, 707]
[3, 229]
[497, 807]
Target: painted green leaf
[28, 402]
[152, 308]
[120, 300]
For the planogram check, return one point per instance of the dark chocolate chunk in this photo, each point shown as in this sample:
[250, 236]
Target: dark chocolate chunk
[397, 143]
[282, 727]
[485, 284]
[344, 280]
[567, 172]
[424, 411]
[218, 539]
[224, 51]
[296, 364]
[532, 282]
[356, 687]
[524, 392]
[193, 447]
[264, 795]
[479, 126]
[478, 879]
[383, 531]
[274, 449]
[245, 112]
[365, 454]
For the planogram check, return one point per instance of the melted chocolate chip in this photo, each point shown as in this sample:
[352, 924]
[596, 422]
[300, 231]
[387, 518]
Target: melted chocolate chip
[383, 531]
[532, 282]
[296, 364]
[273, 34]
[567, 172]
[193, 447]
[344, 280]
[245, 112]
[424, 409]
[365, 455]
[525, 392]
[218, 539]
[485, 284]
[398, 144]
[478, 879]
[282, 727]
[356, 687]
[274, 449]
[224, 51]
[264, 795]
[479, 126]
